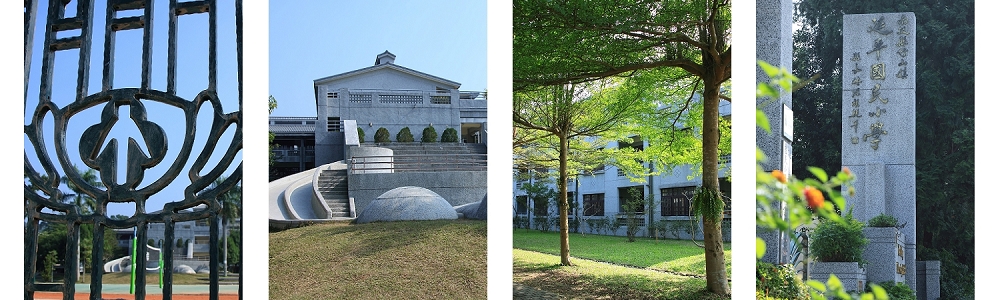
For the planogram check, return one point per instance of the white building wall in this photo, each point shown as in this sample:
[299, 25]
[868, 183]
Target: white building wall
[608, 184]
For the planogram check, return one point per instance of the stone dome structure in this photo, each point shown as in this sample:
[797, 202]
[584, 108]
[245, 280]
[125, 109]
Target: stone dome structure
[407, 203]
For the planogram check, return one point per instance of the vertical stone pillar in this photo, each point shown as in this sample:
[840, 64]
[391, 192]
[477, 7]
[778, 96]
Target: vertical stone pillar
[879, 131]
[774, 45]
[928, 280]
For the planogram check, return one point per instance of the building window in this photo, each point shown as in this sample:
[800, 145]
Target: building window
[440, 99]
[522, 205]
[332, 95]
[593, 205]
[572, 203]
[333, 124]
[541, 207]
[676, 201]
[631, 199]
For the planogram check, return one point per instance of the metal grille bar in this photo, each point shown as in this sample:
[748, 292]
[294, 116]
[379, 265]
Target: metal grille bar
[41, 189]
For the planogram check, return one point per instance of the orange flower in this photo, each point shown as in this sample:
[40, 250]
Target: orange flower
[780, 176]
[814, 197]
[846, 171]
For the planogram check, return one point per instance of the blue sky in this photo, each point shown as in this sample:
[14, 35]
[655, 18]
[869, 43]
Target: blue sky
[315, 39]
[192, 78]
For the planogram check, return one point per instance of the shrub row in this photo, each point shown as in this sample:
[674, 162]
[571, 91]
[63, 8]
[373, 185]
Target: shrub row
[430, 135]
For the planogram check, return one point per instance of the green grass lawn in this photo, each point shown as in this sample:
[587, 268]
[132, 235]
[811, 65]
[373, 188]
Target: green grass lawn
[679, 256]
[394, 260]
[594, 280]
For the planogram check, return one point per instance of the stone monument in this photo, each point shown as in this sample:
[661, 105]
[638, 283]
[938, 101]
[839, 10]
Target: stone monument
[774, 45]
[878, 138]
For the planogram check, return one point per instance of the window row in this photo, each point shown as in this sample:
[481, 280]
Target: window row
[673, 202]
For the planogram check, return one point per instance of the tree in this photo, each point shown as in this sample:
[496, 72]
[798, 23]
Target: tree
[382, 135]
[361, 135]
[271, 104]
[404, 135]
[450, 135]
[945, 112]
[85, 204]
[232, 203]
[571, 42]
[560, 113]
[429, 135]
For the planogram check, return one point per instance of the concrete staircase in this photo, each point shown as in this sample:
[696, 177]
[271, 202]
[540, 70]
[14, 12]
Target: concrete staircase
[436, 157]
[332, 185]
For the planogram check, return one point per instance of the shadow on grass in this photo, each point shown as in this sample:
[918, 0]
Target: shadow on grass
[611, 286]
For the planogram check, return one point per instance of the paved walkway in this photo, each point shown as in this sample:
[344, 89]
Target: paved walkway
[155, 289]
[529, 293]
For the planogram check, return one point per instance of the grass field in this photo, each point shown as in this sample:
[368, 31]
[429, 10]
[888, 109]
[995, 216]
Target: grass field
[609, 267]
[595, 280]
[678, 256]
[394, 260]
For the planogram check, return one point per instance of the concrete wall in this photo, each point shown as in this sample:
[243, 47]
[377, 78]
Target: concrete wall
[456, 187]
[774, 45]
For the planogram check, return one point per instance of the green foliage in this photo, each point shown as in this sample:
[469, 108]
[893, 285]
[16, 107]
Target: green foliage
[49, 266]
[272, 104]
[633, 221]
[896, 291]
[404, 135]
[450, 135]
[233, 247]
[779, 282]
[382, 135]
[883, 220]
[429, 135]
[708, 203]
[543, 223]
[598, 225]
[839, 241]
[180, 243]
[520, 222]
[361, 135]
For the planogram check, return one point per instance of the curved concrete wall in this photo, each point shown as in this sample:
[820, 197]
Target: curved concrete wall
[380, 164]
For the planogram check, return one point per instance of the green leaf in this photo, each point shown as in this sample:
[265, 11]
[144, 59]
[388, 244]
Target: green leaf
[761, 248]
[819, 173]
[819, 286]
[834, 283]
[879, 292]
[839, 201]
[768, 69]
[867, 296]
[762, 121]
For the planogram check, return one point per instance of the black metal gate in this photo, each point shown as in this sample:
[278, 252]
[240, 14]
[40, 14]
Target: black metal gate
[41, 190]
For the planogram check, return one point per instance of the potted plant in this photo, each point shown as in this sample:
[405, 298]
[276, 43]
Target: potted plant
[885, 250]
[838, 248]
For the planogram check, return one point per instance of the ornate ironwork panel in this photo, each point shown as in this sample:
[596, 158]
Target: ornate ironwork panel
[42, 182]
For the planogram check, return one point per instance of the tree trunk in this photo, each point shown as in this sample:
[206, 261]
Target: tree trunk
[715, 259]
[225, 247]
[563, 202]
